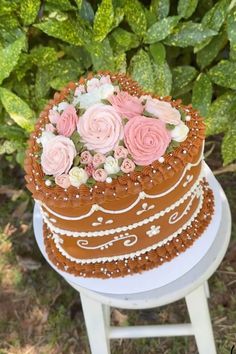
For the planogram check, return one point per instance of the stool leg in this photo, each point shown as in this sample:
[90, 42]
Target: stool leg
[96, 320]
[200, 318]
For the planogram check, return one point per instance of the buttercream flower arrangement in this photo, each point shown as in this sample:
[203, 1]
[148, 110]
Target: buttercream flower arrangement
[101, 132]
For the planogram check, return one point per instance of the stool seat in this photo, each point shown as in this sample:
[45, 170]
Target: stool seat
[189, 284]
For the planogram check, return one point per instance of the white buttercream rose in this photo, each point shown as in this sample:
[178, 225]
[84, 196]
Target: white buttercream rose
[180, 132]
[45, 137]
[111, 165]
[77, 176]
[96, 95]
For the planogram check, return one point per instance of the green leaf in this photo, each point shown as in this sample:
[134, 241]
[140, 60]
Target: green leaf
[224, 74]
[210, 52]
[141, 70]
[101, 55]
[123, 40]
[63, 5]
[8, 147]
[118, 17]
[161, 29]
[163, 79]
[12, 132]
[18, 109]
[158, 52]
[231, 31]
[228, 147]
[202, 94]
[182, 76]
[86, 10]
[9, 57]
[135, 16]
[186, 7]
[79, 3]
[69, 71]
[42, 56]
[67, 30]
[120, 63]
[215, 17]
[29, 10]
[220, 113]
[160, 8]
[103, 20]
[189, 34]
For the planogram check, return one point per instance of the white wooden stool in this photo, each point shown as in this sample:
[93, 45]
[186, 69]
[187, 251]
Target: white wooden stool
[184, 277]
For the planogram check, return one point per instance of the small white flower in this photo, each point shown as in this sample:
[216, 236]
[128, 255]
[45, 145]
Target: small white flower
[106, 90]
[111, 165]
[77, 176]
[180, 132]
[62, 106]
[45, 137]
[154, 230]
[88, 99]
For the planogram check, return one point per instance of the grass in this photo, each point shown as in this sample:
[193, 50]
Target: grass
[41, 314]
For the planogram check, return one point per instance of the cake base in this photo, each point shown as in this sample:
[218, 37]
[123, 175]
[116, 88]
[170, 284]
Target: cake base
[149, 260]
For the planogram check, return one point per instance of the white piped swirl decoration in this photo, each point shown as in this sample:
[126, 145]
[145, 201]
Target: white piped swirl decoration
[130, 240]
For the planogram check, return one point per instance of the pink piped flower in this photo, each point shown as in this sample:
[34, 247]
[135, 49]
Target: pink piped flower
[86, 158]
[127, 166]
[146, 139]
[53, 116]
[100, 128]
[89, 169]
[58, 155]
[163, 110]
[120, 152]
[98, 159]
[128, 106]
[50, 128]
[63, 181]
[67, 122]
[100, 175]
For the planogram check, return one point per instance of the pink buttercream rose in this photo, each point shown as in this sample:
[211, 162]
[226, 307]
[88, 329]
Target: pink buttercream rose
[163, 110]
[86, 157]
[89, 169]
[105, 80]
[58, 155]
[53, 116]
[125, 104]
[63, 181]
[127, 166]
[66, 123]
[100, 128]
[120, 152]
[98, 159]
[50, 128]
[100, 175]
[146, 139]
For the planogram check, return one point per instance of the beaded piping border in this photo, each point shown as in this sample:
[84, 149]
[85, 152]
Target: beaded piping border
[148, 260]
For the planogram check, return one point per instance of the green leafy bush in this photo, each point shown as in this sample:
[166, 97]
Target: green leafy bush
[184, 48]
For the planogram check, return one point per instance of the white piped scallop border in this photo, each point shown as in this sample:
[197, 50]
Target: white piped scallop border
[156, 216]
[134, 254]
[142, 195]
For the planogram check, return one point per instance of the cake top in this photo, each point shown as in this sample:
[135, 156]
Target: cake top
[104, 132]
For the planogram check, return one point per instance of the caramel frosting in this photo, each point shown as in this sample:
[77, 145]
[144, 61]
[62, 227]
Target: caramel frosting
[142, 261]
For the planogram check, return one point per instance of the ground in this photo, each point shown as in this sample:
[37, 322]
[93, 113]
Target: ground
[41, 314]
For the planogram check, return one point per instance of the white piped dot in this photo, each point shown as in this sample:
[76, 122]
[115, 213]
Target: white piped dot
[108, 179]
[161, 159]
